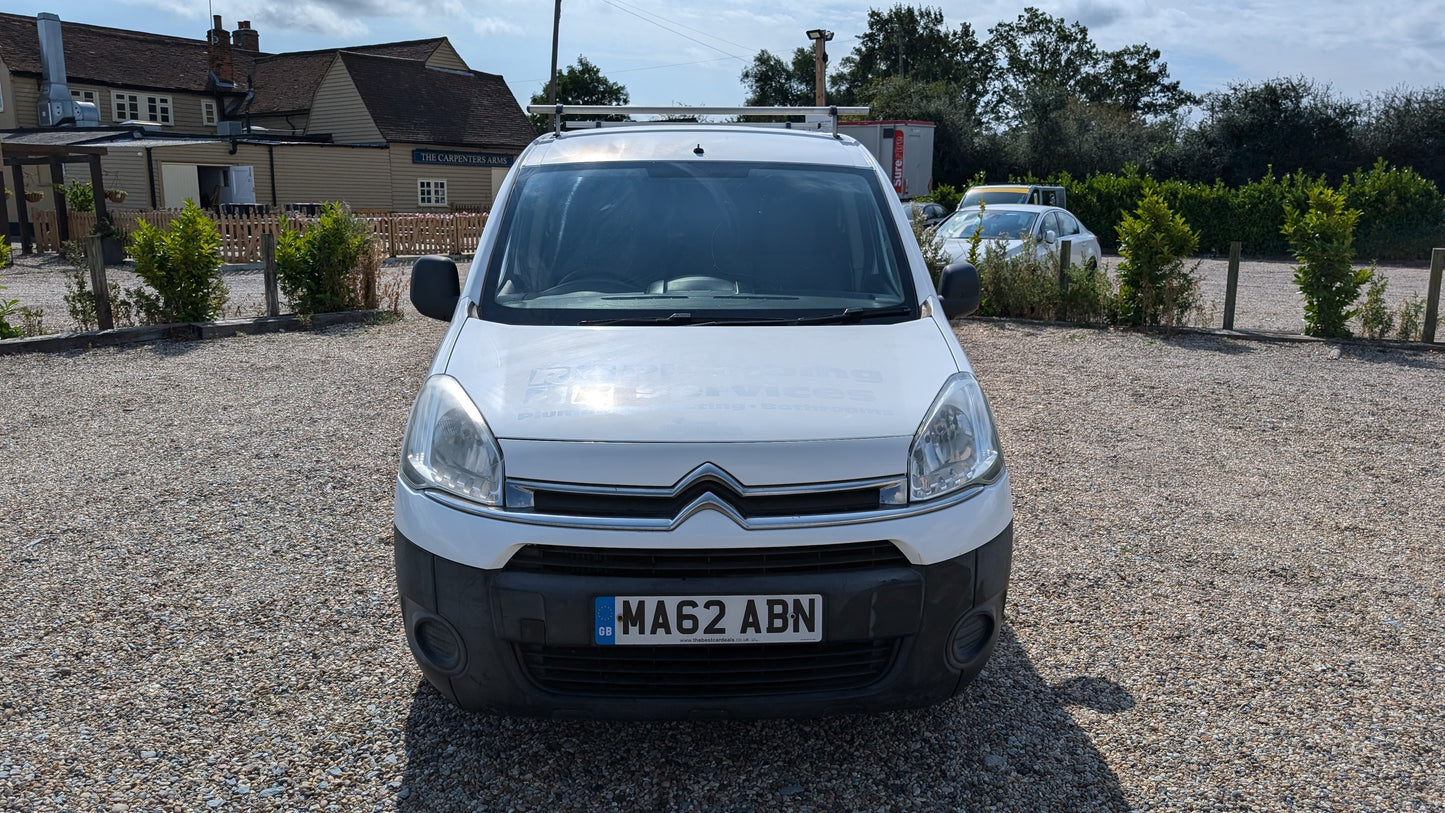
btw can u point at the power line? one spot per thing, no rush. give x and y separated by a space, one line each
673 30
676 23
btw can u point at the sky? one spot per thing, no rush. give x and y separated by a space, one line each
688 52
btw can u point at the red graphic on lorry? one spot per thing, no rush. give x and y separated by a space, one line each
898 160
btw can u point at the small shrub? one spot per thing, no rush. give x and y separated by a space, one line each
1155 287
1091 297
945 194
1024 286
933 254
182 265
80 299
4 250
1322 238
78 196
1411 319
1375 316
9 308
975 239
329 267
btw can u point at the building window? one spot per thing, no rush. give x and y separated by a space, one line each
125 106
158 109
208 113
431 192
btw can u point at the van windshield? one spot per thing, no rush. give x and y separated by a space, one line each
696 242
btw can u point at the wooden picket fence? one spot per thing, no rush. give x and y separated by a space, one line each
401 234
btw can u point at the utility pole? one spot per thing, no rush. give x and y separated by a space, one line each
820 59
556 26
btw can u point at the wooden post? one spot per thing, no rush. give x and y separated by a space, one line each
1432 299
391 235
5 210
1231 285
268 273
22 210
96 255
97 187
62 210
1066 250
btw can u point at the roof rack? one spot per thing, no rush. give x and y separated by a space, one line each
560 110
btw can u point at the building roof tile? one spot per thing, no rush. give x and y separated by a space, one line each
411 102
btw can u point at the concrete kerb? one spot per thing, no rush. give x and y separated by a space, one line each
183 332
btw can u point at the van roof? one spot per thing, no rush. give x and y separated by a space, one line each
718 142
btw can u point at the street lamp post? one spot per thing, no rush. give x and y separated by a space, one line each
820 58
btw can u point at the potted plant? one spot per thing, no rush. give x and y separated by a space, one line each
115 195
113 239
78 196
34 195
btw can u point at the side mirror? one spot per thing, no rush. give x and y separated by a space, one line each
1051 236
435 287
960 290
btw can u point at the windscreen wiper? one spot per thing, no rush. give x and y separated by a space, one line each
679 318
850 315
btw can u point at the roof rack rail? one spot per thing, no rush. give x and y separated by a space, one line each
560 110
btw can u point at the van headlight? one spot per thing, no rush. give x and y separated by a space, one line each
448 445
956 445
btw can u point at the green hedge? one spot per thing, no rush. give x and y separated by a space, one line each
1403 213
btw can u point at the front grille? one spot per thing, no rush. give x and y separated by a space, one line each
705 562
666 506
738 670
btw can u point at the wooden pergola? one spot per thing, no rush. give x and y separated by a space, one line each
19 155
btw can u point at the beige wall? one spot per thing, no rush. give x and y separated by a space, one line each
7 98
466 186
214 155
338 109
307 173
445 56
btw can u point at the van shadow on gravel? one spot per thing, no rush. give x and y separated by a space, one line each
1008 741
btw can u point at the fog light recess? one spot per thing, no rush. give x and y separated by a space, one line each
970 637
437 643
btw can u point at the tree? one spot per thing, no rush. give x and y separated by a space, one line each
1407 128
773 83
1290 124
912 43
582 83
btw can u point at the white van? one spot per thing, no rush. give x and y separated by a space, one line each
699 441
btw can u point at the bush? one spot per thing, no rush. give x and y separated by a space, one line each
1375 316
1024 286
1155 288
1090 298
80 300
1402 215
329 267
933 254
8 308
945 194
1322 238
182 265
1411 317
78 196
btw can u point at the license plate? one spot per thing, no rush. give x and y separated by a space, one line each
707 619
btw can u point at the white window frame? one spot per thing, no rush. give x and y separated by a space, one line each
208 112
162 107
125 106
431 191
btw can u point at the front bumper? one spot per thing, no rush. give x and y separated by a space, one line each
896 636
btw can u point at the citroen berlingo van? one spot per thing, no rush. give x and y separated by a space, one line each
699 441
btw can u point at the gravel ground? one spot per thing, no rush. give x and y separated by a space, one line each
1226 595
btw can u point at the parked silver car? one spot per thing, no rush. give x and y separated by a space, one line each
1010 222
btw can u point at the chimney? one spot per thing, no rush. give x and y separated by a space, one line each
219 40
245 37
55 107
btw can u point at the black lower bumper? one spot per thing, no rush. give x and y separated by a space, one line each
899 636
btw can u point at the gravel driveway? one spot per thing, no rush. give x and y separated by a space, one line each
1226 595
